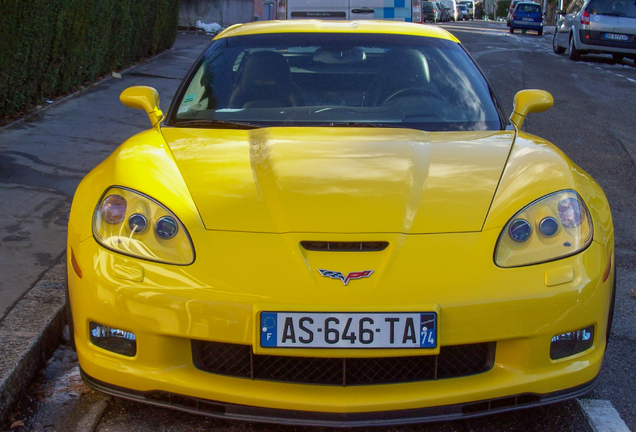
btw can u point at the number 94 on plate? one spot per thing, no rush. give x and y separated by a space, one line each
348 330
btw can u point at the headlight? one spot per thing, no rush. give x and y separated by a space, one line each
553 227
133 224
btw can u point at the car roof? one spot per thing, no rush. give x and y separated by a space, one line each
526 3
317 26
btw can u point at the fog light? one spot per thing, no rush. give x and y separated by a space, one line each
118 341
568 344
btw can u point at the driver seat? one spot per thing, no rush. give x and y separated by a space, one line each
265 82
401 69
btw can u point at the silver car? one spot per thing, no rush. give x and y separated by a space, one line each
597 26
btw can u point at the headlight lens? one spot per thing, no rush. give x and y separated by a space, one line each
121 223
553 227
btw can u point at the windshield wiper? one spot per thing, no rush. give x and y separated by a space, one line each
611 13
214 124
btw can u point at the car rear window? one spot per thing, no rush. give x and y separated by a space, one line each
621 8
327 79
529 8
427 6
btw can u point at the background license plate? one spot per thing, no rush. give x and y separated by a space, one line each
348 330
618 37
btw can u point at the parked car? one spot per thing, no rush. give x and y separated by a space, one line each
511 8
429 12
452 9
470 4
597 26
527 16
337 225
462 12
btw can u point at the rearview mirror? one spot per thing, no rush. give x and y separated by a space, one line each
339 57
529 101
143 98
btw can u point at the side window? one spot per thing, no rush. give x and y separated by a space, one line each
575 6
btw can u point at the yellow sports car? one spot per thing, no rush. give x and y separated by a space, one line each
336 223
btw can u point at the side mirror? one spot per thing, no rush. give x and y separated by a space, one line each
529 101
143 98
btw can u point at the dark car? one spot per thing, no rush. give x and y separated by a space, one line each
430 12
527 16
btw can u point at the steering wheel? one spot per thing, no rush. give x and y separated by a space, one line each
411 91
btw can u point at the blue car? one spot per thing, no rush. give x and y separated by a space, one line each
527 16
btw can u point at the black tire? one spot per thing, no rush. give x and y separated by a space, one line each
69 318
574 53
557 49
512 29
610 317
540 32
618 57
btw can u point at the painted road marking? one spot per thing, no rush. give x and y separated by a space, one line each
602 416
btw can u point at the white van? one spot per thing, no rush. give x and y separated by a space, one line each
394 10
453 8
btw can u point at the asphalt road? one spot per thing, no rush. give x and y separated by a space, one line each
592 121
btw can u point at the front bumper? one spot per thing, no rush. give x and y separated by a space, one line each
529 25
305 418
218 297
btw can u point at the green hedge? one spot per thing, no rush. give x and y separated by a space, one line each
49 47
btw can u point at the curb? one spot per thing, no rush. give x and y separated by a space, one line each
29 334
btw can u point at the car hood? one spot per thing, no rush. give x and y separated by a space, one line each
340 180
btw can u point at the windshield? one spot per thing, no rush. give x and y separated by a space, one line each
330 79
621 8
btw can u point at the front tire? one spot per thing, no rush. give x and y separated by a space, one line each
69 317
574 53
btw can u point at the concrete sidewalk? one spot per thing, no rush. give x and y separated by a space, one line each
42 160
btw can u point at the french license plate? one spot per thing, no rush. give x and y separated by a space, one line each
527 19
614 36
348 330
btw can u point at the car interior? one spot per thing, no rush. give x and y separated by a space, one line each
341 83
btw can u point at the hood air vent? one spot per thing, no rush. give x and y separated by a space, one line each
321 246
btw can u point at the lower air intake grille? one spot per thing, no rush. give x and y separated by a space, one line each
239 361
321 246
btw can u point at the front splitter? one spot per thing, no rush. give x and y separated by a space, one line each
310 418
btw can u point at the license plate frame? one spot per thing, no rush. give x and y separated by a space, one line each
616 37
349 330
